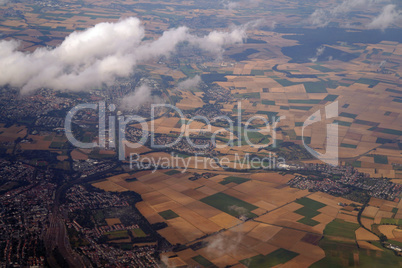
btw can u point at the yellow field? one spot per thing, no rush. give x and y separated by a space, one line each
112 221
12 133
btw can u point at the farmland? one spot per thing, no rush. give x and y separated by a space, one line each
246 88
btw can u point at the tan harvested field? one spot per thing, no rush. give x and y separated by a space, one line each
367 223
301 261
185 228
78 155
387 230
370 211
162 192
264 232
286 238
308 250
38 143
277 225
397 233
224 220
265 190
112 221
382 214
203 209
363 234
367 245
347 217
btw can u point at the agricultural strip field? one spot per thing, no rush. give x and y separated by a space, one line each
341 228
277 257
230 205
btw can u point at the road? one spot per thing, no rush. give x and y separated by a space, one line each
56 236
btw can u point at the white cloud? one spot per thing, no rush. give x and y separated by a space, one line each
215 41
87 59
226 243
241 211
222 244
140 96
230 5
320 50
190 83
321 17
388 16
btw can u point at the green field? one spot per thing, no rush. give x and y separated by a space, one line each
308 221
321 69
357 164
255 137
341 228
268 102
58 145
396 243
204 262
331 97
315 87
172 172
346 145
117 235
257 72
251 95
394 91
383 141
340 254
138 233
285 82
230 205
230 179
343 123
303 108
391 221
269 113
48 138
380 159
367 81
307 212
305 101
348 115
391 131
168 214
310 203
183 155
366 123
277 257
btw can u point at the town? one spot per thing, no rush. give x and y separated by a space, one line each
344 180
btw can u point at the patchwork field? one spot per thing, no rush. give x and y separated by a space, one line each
263 221
249 218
